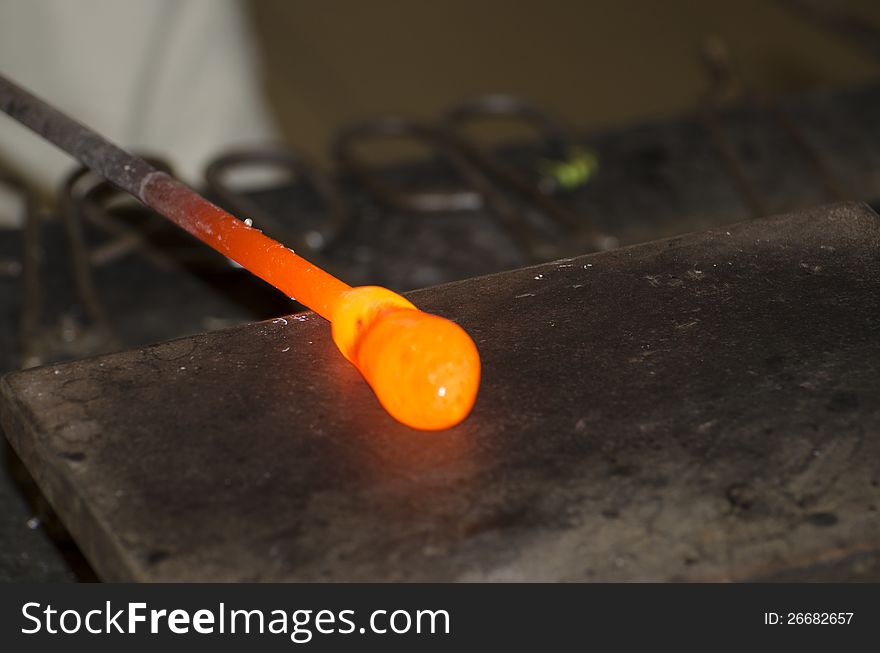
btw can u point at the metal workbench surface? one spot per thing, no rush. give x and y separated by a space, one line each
703 407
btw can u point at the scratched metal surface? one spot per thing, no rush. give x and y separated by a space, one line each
704 407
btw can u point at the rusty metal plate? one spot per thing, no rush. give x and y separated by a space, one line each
704 407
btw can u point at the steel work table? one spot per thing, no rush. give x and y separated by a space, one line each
703 407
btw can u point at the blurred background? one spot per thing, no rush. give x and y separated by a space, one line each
186 79
595 63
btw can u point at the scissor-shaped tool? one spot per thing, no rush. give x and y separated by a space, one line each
52 335
487 181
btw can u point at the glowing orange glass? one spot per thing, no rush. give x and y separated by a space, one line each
424 369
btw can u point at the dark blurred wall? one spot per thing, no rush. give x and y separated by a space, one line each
597 63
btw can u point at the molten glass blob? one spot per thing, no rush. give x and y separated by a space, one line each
424 369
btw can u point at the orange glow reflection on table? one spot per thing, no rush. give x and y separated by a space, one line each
424 369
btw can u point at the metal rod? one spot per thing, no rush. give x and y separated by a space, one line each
86 146
262 256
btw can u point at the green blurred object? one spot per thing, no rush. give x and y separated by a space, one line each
572 172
